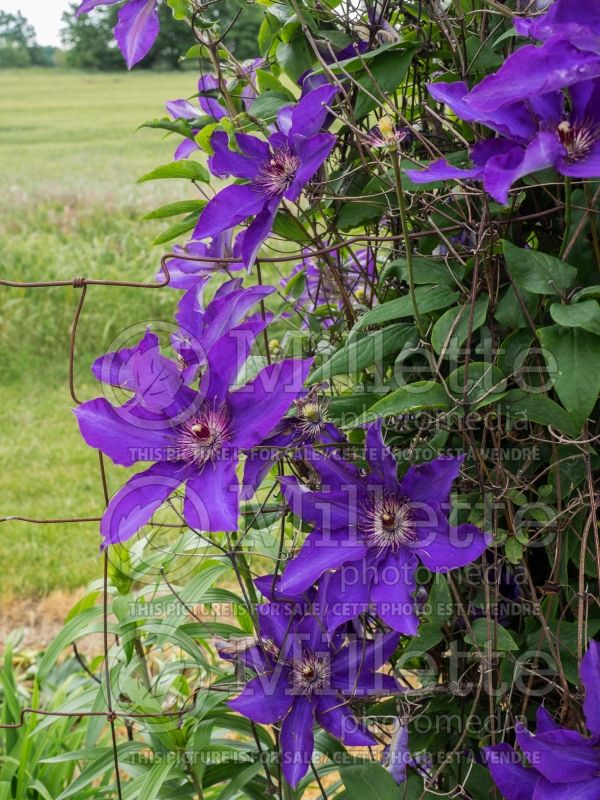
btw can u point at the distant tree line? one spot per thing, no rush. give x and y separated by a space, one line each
88 41
18 45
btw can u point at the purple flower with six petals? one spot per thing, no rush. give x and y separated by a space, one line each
565 764
374 529
275 170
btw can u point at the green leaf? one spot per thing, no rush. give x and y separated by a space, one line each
98 767
361 353
519 404
295 57
452 328
514 550
203 137
188 169
155 778
188 224
538 272
500 637
429 298
585 315
573 360
87 621
386 72
369 782
481 382
426 270
288 227
173 209
267 105
412 397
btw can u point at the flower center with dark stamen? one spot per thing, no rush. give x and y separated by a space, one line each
201 438
278 172
578 138
389 523
312 417
310 674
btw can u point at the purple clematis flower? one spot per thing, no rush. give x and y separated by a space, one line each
201 328
194 437
136 29
308 425
304 674
184 109
373 530
575 20
532 71
185 273
358 273
565 764
274 170
536 135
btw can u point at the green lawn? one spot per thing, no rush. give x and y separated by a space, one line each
69 205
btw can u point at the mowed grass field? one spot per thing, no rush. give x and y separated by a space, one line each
70 155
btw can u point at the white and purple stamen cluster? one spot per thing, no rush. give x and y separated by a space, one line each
278 172
389 523
311 673
201 438
311 417
578 138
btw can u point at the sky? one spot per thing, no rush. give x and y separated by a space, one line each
44 15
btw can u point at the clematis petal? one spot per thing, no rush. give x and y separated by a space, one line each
561 756
257 232
392 592
297 740
531 71
330 510
544 722
276 624
589 672
441 170
380 458
137 29
501 172
319 553
228 208
335 716
185 149
125 434
432 481
588 167
577 20
312 153
347 595
578 790
333 470
515 120
226 357
225 161
135 502
364 656
510 776
308 115
212 497
182 109
89 5
115 368
442 547
258 406
156 379
264 699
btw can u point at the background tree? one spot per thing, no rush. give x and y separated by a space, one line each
18 46
89 41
